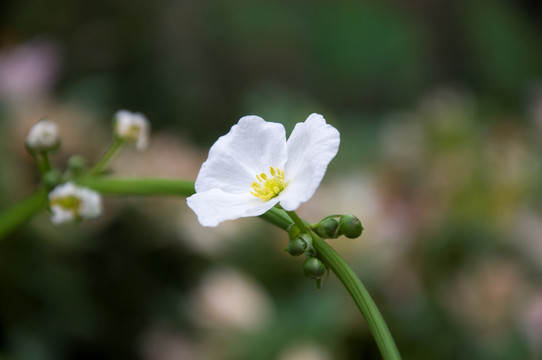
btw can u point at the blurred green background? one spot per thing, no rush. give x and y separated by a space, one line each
439 105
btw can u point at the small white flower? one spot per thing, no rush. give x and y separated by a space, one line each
252 168
132 127
69 202
43 136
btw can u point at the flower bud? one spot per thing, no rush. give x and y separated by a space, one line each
133 127
296 247
327 228
293 231
43 137
313 268
76 164
350 226
52 178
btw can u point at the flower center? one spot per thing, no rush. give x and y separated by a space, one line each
70 203
133 132
268 187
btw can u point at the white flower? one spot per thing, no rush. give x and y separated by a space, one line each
252 168
43 136
69 202
132 127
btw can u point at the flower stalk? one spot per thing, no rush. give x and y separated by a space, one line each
107 157
21 212
355 288
18 214
137 186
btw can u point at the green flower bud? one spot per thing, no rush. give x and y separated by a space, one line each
76 164
296 247
52 178
327 228
293 231
313 268
299 245
350 226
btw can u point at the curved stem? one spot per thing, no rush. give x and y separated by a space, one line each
361 297
359 293
21 212
18 214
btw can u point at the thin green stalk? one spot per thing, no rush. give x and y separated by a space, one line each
144 186
107 157
359 293
277 217
42 167
21 212
46 161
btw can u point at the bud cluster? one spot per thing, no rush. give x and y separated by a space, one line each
68 201
301 243
331 228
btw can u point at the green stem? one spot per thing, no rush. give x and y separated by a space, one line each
40 163
359 293
277 217
21 212
46 161
361 297
18 214
107 157
144 186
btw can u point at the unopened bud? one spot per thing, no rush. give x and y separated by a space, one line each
293 231
297 246
350 226
52 178
327 228
76 164
43 137
313 268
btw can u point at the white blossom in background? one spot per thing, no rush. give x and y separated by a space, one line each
69 202
43 136
227 298
133 127
253 167
305 351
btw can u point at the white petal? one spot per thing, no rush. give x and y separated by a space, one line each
64 190
214 206
91 203
249 148
125 121
312 145
61 215
43 135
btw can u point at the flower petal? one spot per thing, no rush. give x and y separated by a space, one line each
214 206
311 146
91 203
60 215
249 148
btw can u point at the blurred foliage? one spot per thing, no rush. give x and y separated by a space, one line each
451 250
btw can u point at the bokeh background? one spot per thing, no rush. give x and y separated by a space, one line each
439 105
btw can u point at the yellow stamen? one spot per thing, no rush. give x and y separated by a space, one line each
268 187
70 203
